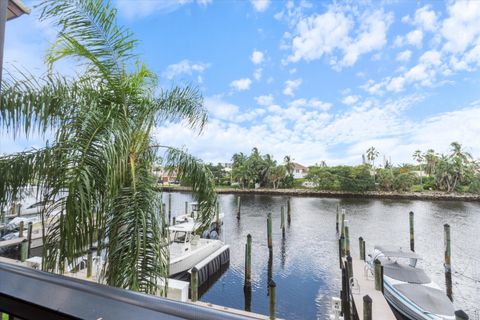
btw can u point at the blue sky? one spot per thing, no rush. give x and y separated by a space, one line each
316 80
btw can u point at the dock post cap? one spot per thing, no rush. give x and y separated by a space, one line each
272 284
366 298
461 315
194 269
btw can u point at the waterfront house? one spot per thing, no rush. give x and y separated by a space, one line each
299 171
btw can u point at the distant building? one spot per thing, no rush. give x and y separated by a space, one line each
165 177
299 171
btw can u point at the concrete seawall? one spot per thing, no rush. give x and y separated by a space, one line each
433 195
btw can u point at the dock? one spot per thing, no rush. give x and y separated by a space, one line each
366 286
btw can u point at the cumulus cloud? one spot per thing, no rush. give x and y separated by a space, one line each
260 5
404 56
265 100
257 74
337 32
291 86
350 100
241 84
257 57
184 67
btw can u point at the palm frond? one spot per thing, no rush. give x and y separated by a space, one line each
194 172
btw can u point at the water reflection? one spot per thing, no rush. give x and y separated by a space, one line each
304 264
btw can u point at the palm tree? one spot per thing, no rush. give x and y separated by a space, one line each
97 169
417 156
431 158
372 154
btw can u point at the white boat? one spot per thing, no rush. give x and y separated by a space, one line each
193 218
187 249
408 288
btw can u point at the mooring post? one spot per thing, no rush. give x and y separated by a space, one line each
238 207
20 229
194 284
282 218
186 207
448 261
349 267
336 220
412 235
89 263
174 221
272 295
363 250
342 246
360 246
289 218
367 307
347 241
217 216
461 315
342 231
340 253
24 250
269 231
378 275
169 206
29 238
248 263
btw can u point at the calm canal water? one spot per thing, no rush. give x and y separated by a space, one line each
305 264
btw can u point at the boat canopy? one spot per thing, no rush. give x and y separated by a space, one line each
396 252
405 273
183 227
429 299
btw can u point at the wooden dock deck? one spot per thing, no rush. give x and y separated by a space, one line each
366 286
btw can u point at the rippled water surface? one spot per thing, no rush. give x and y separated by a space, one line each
305 263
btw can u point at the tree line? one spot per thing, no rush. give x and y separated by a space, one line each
455 171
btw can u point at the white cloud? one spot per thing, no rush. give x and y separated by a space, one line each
257 74
337 31
265 100
291 86
241 84
260 5
350 100
142 8
257 57
415 38
462 28
184 67
404 56
431 57
426 18
226 111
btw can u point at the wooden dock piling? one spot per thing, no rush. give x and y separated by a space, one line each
282 220
347 242
20 229
29 238
248 263
169 207
361 245
378 275
412 235
448 261
272 294
238 207
269 231
367 307
174 221
194 284
342 231
340 253
89 263
289 210
24 250
186 207
337 218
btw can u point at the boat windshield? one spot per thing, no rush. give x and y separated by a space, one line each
179 236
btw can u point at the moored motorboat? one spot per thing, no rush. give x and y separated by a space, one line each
187 249
408 288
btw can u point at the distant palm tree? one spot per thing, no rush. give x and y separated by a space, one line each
372 154
417 156
97 169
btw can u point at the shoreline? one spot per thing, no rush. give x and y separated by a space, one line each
433 195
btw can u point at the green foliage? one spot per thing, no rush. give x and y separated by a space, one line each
356 179
385 179
98 169
262 170
297 183
404 181
474 186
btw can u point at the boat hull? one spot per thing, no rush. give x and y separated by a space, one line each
196 254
